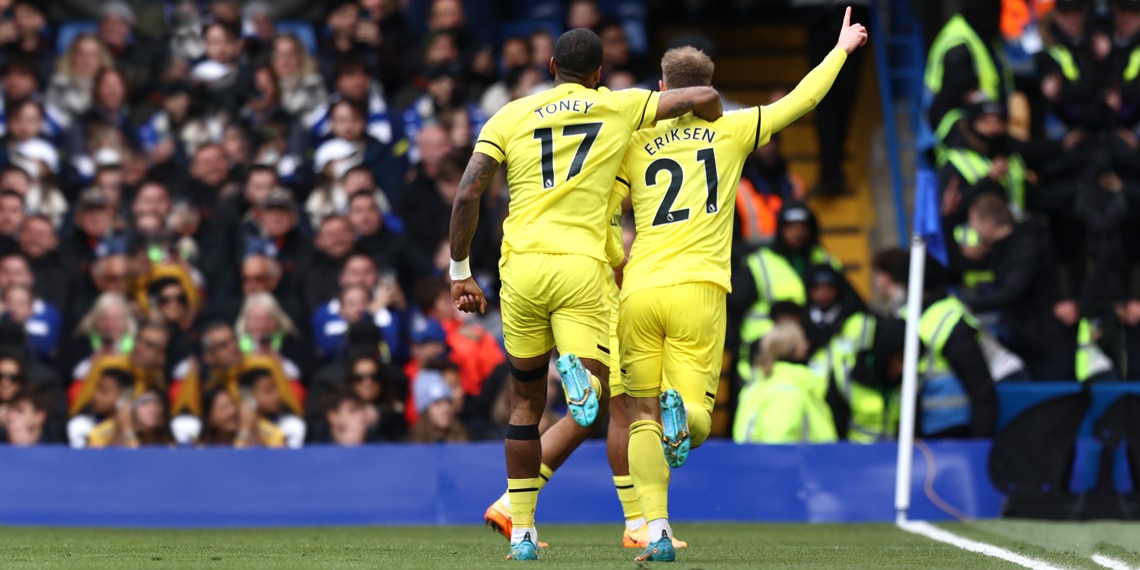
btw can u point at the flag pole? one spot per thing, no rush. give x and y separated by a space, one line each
905 463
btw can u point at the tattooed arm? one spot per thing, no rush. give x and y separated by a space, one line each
704 102
465 293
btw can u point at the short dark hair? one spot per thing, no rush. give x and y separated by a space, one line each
250 377
428 290
359 108
40 399
349 66
259 169
337 396
122 377
992 207
893 262
578 52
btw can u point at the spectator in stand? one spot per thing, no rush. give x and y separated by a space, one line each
350 37
264 329
381 300
24 423
438 421
94 221
542 51
617 56
583 14
19 81
302 90
351 81
175 302
70 89
108 328
11 218
229 422
376 238
262 387
161 136
472 348
1044 327
347 417
140 421
221 73
112 389
352 146
786 403
263 111
427 212
826 314
40 320
12 378
275 232
372 382
23 146
954 69
333 246
117 32
108 109
34 40
40 247
445 92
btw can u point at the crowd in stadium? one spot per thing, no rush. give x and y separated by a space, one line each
226 223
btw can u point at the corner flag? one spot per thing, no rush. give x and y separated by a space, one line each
928 214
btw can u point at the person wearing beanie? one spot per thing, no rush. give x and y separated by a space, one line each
438 421
966 57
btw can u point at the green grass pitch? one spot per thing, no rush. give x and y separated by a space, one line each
713 546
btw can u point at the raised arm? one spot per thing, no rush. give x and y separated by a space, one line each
465 292
704 102
815 85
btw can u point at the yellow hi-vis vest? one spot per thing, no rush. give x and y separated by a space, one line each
973 166
776 280
874 413
957 32
787 407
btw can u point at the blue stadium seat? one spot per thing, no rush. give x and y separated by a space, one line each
68 31
303 31
1017 397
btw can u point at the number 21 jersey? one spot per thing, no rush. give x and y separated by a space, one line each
562 149
682 175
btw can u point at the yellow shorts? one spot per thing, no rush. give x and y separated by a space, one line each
674 336
553 300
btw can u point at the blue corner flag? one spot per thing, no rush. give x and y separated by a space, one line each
928 214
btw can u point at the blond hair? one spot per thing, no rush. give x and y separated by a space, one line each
66 63
784 340
686 66
105 301
284 323
305 64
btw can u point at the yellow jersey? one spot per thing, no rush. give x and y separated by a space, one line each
682 176
562 149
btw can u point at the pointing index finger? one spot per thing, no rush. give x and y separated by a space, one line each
847 17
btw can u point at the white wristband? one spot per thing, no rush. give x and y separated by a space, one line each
460 270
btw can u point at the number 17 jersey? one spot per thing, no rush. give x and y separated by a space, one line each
562 149
682 176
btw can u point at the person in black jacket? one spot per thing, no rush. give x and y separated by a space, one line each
1042 322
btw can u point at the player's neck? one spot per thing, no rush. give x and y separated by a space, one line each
560 80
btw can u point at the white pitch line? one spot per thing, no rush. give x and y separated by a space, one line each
1111 563
932 532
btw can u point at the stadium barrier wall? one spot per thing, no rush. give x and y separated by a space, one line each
428 485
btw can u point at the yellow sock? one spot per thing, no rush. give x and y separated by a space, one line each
627 494
524 498
648 469
544 475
